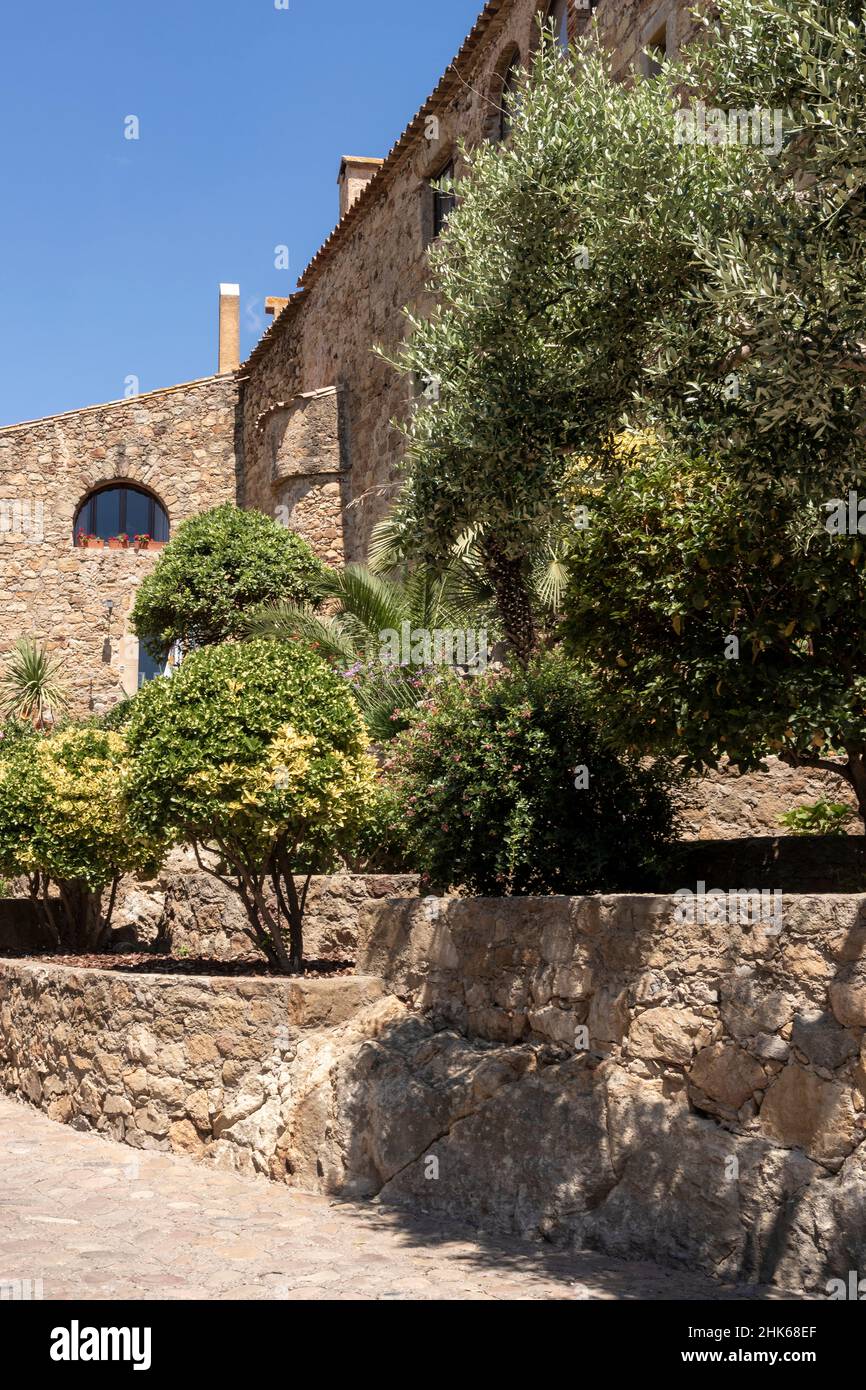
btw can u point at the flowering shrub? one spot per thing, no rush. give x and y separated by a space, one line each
507 789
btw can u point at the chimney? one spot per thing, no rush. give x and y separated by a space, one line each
355 174
230 328
274 306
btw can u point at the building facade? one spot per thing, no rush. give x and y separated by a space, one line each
303 429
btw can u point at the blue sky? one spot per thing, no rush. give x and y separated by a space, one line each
111 250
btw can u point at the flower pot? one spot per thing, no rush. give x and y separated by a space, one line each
91 543
116 543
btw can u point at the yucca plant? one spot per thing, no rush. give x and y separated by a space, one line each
32 687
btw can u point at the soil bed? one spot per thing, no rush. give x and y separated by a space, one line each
146 963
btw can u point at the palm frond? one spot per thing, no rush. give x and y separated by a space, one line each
375 604
289 622
550 577
390 546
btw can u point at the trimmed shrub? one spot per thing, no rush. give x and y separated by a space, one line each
220 566
488 776
63 823
254 753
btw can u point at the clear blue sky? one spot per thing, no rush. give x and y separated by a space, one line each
113 249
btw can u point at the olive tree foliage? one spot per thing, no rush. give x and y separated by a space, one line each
64 827
217 568
564 264
782 299
720 590
254 753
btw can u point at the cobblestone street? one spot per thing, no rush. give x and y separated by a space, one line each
98 1220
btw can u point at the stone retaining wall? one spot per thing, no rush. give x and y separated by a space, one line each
683 1093
590 1071
204 918
198 1066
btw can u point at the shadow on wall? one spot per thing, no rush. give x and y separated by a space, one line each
714 1120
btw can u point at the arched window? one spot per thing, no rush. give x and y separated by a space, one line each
121 509
557 15
508 97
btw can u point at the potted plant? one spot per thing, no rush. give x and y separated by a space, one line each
142 542
90 542
119 542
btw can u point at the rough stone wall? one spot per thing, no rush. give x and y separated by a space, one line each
589 1071
354 297
724 804
180 444
712 1113
163 1064
197 916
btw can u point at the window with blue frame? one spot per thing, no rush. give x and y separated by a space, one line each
121 509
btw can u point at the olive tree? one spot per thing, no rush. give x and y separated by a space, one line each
558 275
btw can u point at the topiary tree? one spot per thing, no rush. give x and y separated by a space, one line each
63 825
255 751
508 789
216 568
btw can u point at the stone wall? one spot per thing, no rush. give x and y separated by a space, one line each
725 804
179 444
375 264
587 1071
161 1063
712 1112
197 916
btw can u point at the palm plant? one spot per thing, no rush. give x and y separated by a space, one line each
391 545
32 688
364 606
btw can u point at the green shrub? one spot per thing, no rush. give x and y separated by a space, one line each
254 752
487 778
821 818
63 823
218 567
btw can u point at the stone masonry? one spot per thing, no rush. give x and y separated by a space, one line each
178 444
374 264
590 1071
303 430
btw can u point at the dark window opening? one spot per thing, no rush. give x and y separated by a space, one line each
444 200
122 510
656 52
557 15
148 666
508 99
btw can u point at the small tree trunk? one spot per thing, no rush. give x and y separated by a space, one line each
82 909
296 922
511 586
856 775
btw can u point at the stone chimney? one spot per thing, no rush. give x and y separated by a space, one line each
230 328
355 174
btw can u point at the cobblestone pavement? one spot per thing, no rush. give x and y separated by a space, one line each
98 1220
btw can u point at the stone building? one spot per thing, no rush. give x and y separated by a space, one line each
302 430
